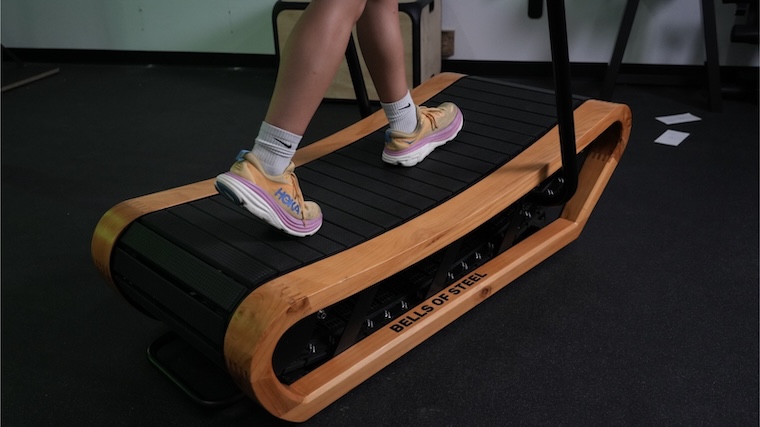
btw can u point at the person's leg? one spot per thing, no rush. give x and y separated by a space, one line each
310 60
308 64
382 46
414 132
263 180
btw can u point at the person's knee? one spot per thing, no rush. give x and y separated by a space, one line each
351 9
391 4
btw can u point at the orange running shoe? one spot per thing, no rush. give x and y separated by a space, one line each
275 199
435 127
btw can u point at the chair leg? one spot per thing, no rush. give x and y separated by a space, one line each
617 55
357 78
711 50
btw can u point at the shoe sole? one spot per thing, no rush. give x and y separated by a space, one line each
416 154
256 201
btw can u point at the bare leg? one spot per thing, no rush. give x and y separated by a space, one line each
310 60
383 49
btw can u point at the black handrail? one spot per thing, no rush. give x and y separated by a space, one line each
555 12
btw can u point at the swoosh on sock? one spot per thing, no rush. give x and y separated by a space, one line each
283 143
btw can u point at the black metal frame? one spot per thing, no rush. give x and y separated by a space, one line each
711 52
200 390
555 11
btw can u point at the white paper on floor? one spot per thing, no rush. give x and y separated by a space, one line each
678 118
671 137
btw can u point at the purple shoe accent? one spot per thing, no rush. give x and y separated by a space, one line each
290 222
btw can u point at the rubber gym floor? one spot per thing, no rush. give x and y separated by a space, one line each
649 318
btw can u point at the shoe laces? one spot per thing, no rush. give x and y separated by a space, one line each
291 176
431 114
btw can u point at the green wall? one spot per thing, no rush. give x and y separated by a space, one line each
665 31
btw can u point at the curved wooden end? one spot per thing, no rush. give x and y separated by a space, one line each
603 156
258 324
265 315
117 219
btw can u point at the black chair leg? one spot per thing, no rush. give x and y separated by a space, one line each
711 50
617 55
357 78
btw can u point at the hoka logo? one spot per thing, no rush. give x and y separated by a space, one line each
288 201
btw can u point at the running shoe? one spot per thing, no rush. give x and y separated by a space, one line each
276 199
435 127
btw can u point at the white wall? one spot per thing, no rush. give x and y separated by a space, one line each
665 31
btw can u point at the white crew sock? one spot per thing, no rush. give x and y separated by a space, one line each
402 114
274 148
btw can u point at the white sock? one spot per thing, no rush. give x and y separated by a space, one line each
402 114
274 148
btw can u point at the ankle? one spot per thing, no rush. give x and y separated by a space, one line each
274 148
402 114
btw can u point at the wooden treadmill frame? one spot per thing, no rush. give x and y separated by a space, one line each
601 129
